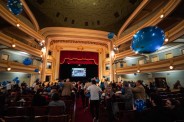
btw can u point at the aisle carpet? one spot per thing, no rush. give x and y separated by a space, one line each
80 115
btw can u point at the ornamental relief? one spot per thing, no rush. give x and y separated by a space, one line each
78 42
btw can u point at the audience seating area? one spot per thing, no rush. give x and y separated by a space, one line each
23 111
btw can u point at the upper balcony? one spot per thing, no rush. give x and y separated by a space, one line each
164 65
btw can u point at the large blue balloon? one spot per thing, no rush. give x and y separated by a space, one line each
27 61
110 35
15 6
139 105
148 40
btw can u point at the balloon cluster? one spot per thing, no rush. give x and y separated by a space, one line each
110 35
4 83
15 6
16 80
148 40
139 105
27 61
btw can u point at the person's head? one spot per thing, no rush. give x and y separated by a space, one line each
67 80
170 103
93 82
125 84
139 82
55 97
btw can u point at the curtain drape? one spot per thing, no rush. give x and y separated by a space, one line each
78 57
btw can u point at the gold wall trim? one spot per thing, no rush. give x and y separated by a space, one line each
133 15
9 17
17 67
30 14
176 62
8 41
153 21
174 33
77 42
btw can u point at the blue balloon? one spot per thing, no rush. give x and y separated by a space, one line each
36 70
148 40
110 35
15 6
17 81
4 83
27 61
140 105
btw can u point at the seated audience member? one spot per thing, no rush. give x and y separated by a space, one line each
173 108
127 96
177 85
38 99
56 101
156 113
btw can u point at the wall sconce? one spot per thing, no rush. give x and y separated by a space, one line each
166 40
43 41
8 69
44 49
112 53
171 67
18 25
13 45
162 16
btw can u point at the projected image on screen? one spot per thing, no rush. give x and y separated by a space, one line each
78 72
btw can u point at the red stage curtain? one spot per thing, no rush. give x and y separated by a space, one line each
78 57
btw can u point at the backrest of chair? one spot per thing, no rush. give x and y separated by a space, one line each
40 119
56 110
15 119
59 118
40 110
16 111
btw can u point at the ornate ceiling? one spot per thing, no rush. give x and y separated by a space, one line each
88 14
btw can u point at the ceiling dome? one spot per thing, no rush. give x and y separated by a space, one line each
91 14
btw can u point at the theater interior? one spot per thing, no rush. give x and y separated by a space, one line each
114 41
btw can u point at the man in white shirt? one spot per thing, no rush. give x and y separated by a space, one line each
94 99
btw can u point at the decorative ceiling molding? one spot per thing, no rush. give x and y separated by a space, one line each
75 32
12 19
172 4
133 15
77 42
174 33
30 14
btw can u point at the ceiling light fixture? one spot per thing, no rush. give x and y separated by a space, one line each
138 71
171 67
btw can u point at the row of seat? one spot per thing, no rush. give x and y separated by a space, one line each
46 118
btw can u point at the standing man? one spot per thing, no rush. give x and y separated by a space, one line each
94 99
139 91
